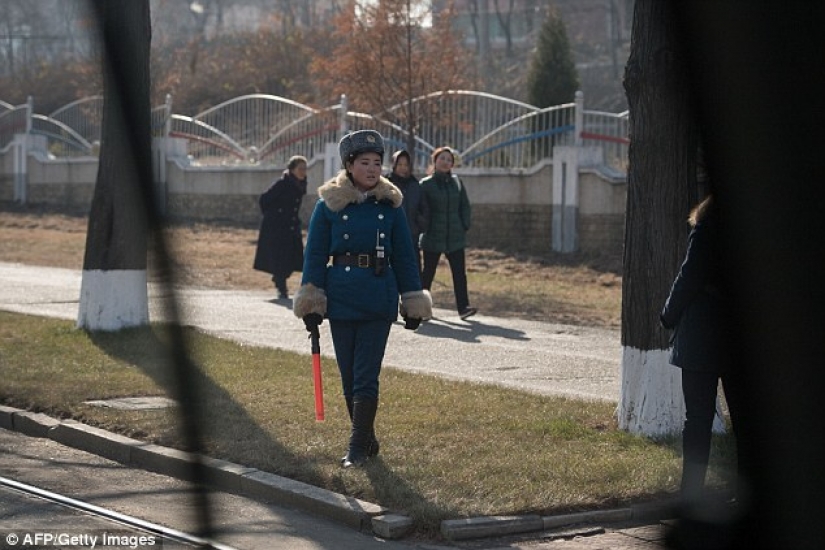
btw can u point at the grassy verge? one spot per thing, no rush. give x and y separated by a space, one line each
448 449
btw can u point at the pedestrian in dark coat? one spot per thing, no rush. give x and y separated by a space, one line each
414 208
697 309
280 249
447 222
359 225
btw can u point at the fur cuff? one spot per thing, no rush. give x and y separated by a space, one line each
309 299
417 304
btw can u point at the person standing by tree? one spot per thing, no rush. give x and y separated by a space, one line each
448 220
280 249
360 224
415 210
698 309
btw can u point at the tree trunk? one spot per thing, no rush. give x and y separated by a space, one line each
113 291
661 191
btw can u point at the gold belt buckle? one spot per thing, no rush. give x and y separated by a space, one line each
363 260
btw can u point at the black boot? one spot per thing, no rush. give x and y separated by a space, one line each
374 446
695 456
693 482
363 420
280 285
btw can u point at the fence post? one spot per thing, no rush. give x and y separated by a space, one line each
579 118
20 152
342 121
29 111
167 126
564 227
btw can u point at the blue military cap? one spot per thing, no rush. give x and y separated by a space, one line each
362 141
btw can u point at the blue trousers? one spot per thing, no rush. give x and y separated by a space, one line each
359 349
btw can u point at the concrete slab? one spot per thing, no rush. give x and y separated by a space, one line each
135 403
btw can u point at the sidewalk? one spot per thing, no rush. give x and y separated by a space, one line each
545 358
539 357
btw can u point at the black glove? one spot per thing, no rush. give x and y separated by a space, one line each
411 323
312 321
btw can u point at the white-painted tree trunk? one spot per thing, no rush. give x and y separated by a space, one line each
650 399
113 299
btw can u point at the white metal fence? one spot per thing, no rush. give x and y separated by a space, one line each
486 131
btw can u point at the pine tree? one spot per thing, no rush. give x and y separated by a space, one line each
552 79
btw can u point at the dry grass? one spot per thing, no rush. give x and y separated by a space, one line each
448 449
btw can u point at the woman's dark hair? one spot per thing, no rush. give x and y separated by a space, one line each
434 155
295 161
439 150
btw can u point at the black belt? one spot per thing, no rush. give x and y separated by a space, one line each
354 260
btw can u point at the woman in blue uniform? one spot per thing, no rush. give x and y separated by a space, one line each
359 258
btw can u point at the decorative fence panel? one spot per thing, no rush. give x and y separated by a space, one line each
486 131
609 131
13 120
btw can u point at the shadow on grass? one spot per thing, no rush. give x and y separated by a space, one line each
468 331
225 424
396 493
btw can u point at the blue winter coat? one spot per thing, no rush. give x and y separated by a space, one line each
344 220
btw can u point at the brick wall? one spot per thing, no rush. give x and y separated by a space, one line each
602 233
512 211
516 228
241 210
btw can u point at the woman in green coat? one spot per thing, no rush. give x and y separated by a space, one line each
446 225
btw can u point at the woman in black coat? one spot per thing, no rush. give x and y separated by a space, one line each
415 209
280 248
698 308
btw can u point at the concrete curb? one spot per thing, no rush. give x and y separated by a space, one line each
220 474
359 514
486 526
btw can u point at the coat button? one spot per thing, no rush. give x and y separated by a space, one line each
347 268
382 235
346 235
380 216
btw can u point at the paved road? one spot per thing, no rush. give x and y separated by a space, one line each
546 358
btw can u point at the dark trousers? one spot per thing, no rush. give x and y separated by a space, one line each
359 349
699 390
458 270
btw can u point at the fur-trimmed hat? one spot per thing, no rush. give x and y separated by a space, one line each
362 141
